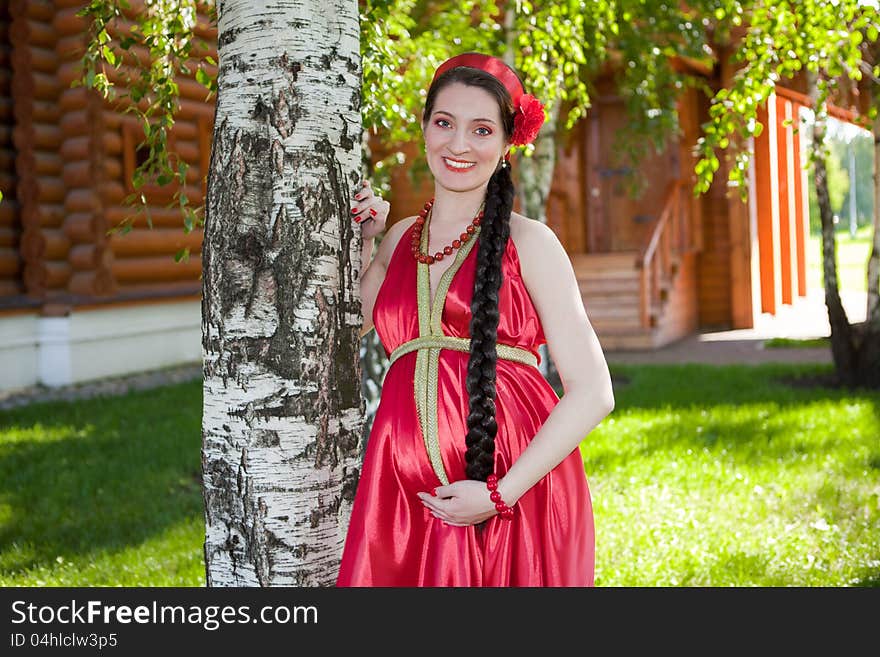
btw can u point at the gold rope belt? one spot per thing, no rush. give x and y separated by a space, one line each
426 374
505 351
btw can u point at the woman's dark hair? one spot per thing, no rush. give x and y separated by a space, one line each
494 233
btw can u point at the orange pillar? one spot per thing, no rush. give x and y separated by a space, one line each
787 237
801 202
767 206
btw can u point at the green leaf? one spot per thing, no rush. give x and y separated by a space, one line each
203 78
109 55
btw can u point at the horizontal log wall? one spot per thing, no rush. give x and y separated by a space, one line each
143 258
90 260
67 156
11 265
36 139
713 264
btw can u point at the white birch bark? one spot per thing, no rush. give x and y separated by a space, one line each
281 312
536 180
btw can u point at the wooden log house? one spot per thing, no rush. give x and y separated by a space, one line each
77 304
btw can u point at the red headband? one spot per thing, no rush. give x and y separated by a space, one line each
529 111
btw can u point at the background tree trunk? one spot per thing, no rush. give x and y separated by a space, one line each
873 311
535 175
535 181
869 332
283 412
841 334
374 362
842 348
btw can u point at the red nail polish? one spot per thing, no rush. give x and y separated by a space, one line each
357 220
373 212
354 210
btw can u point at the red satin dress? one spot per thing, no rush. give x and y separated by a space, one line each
418 439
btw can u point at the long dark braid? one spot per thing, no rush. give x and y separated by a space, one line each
494 233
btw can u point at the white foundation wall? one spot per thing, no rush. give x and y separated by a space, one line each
97 343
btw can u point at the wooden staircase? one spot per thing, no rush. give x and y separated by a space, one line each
643 299
610 286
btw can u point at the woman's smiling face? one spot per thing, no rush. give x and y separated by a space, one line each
464 137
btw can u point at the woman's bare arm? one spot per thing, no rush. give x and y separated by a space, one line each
372 275
370 211
373 272
588 396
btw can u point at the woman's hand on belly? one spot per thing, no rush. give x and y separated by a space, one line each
462 503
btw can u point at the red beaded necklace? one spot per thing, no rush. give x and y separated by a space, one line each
437 257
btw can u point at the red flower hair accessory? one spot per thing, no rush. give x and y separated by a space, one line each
529 115
528 120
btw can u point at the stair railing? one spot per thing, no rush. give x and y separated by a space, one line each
668 238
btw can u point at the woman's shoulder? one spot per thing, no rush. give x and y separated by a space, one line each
530 236
536 246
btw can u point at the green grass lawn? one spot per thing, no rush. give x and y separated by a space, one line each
701 476
798 343
852 260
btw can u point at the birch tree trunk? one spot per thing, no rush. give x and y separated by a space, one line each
842 348
536 172
282 412
535 181
873 310
869 356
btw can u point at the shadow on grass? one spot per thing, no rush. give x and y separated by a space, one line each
98 474
677 386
